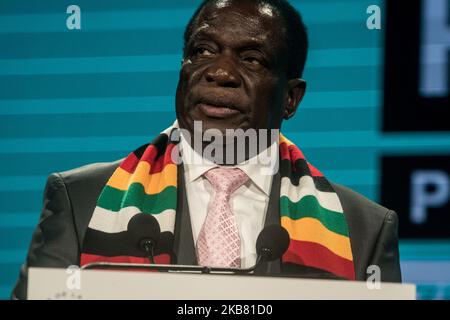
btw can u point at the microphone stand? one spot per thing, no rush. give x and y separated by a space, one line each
262 257
149 245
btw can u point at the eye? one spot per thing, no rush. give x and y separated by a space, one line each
203 52
252 60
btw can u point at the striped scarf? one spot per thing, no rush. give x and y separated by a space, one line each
146 181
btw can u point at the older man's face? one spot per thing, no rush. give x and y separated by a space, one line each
234 73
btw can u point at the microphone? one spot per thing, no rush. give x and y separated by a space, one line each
271 244
144 232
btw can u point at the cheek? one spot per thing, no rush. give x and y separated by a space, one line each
268 102
264 86
190 76
183 92
186 77
184 87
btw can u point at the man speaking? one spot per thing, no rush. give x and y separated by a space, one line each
210 189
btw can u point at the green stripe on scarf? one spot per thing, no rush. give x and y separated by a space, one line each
308 206
114 200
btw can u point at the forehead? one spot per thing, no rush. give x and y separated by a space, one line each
243 20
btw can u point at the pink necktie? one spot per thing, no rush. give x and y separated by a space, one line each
219 244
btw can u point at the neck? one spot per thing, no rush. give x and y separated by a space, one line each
235 149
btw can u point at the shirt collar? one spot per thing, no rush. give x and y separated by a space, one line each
195 165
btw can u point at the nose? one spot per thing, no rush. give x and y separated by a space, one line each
223 72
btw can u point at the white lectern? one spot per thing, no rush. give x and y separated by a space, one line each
47 283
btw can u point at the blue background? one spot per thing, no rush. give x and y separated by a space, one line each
72 97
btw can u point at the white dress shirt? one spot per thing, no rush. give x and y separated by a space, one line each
248 203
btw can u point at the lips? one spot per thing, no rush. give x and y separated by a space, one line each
218 108
216 111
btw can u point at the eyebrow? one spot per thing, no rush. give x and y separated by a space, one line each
249 43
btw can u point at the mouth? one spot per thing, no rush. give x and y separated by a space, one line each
218 109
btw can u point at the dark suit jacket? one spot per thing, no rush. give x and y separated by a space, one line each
70 198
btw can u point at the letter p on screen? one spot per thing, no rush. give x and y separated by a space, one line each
429 189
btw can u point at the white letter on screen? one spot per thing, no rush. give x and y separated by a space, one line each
422 199
435 47
374 20
74 20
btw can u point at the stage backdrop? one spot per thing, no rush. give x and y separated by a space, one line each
70 97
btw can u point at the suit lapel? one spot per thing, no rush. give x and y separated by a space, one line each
272 218
184 247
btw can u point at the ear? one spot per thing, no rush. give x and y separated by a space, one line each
296 91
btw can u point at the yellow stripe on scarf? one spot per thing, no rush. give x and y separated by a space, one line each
153 183
285 140
312 230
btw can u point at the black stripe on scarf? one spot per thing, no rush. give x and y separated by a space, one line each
302 169
110 244
113 244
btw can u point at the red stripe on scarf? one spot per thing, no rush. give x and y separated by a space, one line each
166 159
131 162
91 258
292 153
314 171
315 255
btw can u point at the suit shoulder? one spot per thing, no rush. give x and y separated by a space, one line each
95 172
355 203
371 226
83 186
